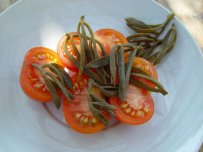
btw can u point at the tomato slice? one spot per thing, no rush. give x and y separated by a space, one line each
62 55
31 80
77 113
138 107
148 68
110 37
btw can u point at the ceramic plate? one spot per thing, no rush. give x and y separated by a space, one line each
25 125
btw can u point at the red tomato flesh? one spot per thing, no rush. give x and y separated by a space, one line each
77 113
137 109
110 37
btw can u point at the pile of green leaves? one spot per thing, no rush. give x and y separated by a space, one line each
155 46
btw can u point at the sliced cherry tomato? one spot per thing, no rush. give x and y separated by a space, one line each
77 113
138 107
31 80
146 66
62 55
109 38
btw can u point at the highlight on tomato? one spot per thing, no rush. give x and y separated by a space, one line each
138 107
77 113
109 38
31 80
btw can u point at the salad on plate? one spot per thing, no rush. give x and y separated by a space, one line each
113 75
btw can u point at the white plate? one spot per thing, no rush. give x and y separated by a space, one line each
25 125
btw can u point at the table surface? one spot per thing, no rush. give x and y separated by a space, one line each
190 12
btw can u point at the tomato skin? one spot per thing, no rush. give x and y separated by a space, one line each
126 117
79 106
30 79
61 54
110 37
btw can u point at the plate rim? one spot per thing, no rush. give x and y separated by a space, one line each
196 44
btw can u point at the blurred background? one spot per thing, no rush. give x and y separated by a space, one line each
190 12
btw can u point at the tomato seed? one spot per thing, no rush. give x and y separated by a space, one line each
146 109
38 85
47 55
51 57
124 105
128 110
86 120
76 85
140 113
29 75
94 120
77 115
82 118
132 113
34 79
